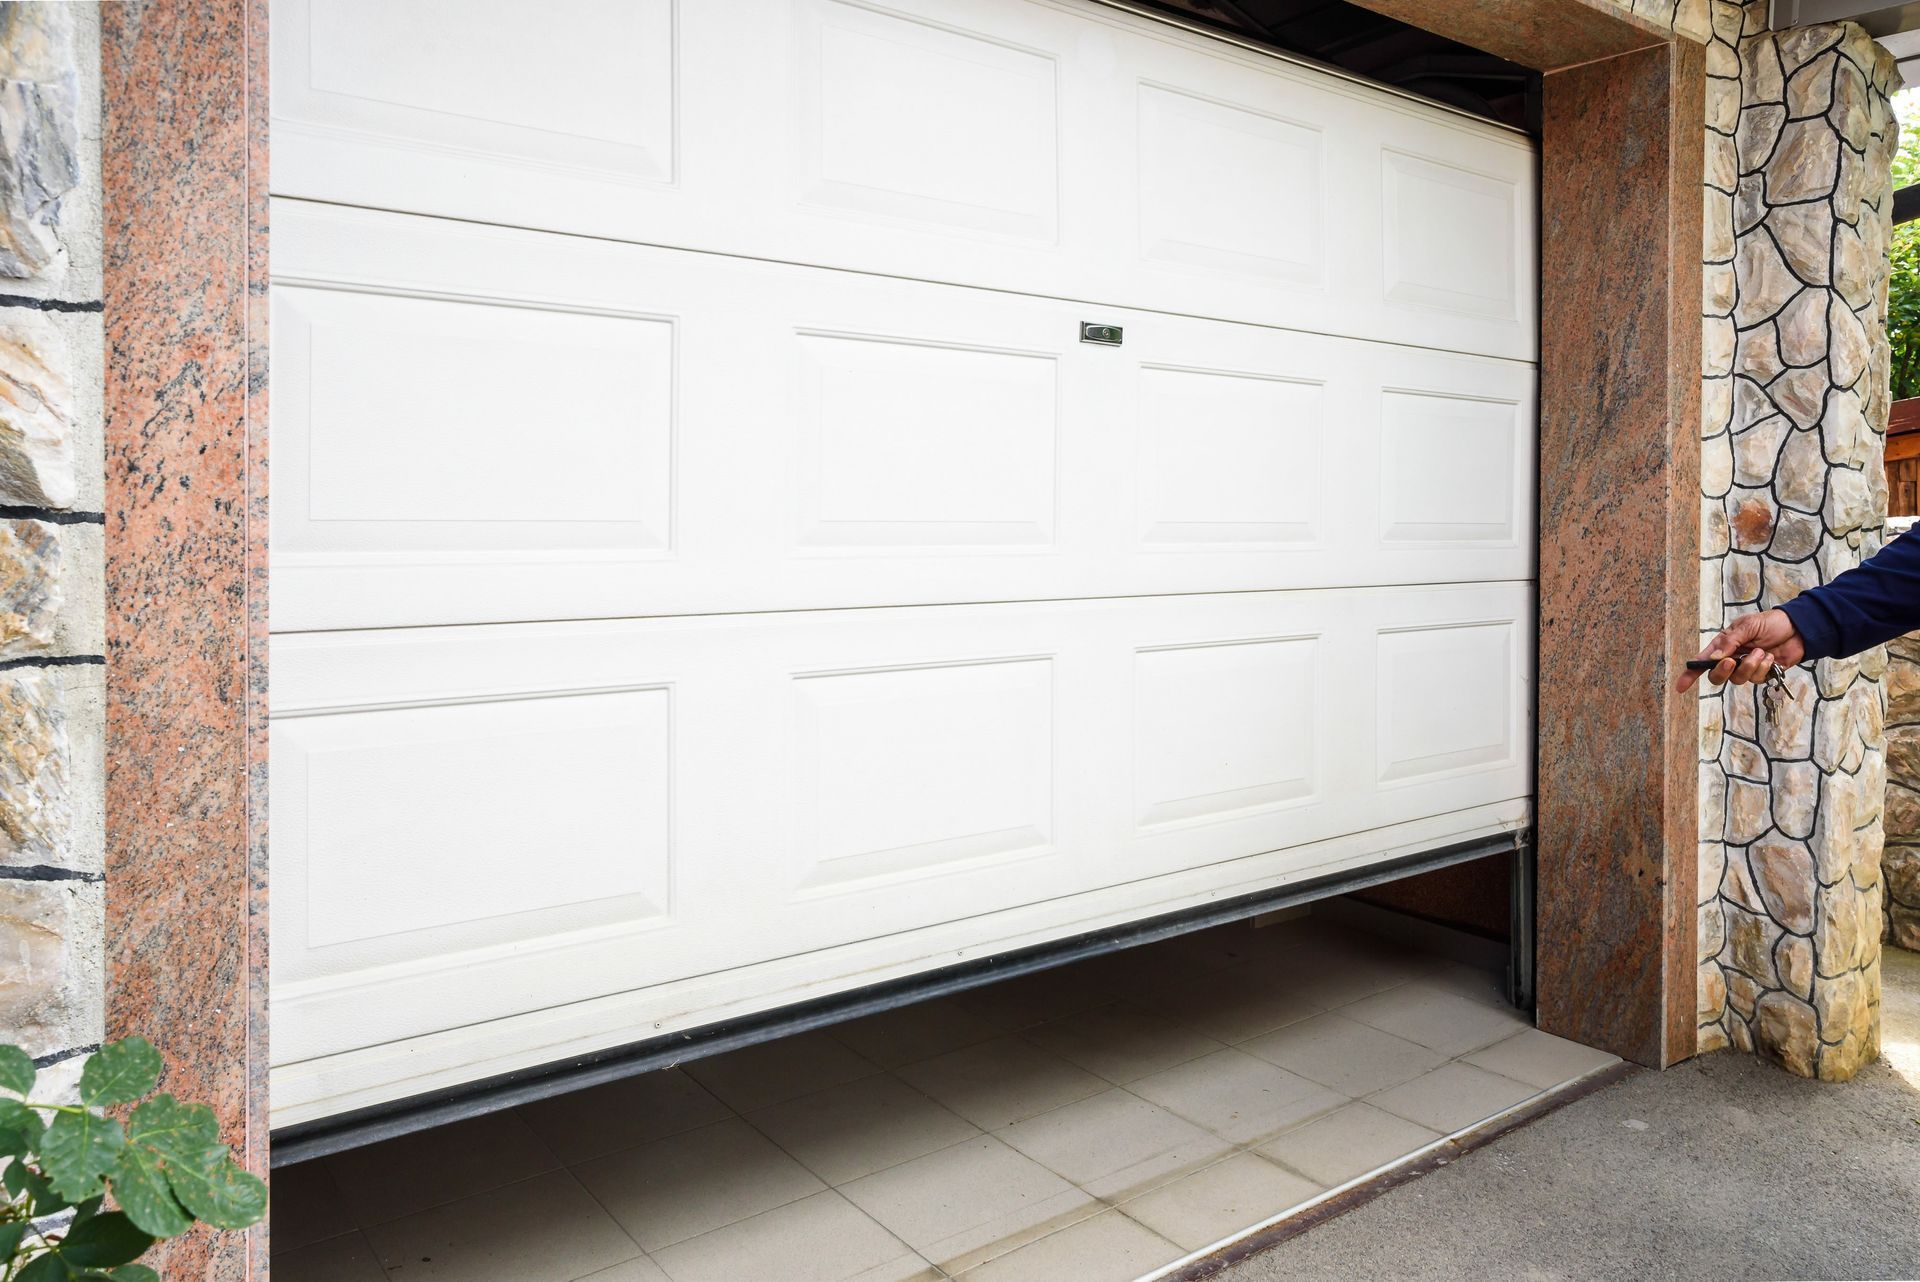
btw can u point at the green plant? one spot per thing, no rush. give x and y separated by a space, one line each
163 1167
1903 279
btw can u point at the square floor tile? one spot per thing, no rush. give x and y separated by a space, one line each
545 1227
1488 987
1121 1042
1107 1248
1453 1097
675 1188
857 1128
1114 1144
638 1270
397 1177
1237 1096
1001 1082
823 1238
1220 1200
1237 1003
1348 1143
1541 1059
340 1259
1343 1054
605 1119
966 1203
783 1069
307 1206
1334 971
915 1032
1436 1017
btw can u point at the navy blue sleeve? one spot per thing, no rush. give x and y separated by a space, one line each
1863 607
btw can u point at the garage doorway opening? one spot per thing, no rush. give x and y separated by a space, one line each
1122 1116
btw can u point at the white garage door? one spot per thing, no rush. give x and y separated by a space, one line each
710 571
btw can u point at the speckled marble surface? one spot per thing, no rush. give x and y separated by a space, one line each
184 275
1619 463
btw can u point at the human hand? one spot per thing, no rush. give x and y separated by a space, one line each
1766 638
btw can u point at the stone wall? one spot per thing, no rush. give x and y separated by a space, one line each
51 485
1900 862
1798 209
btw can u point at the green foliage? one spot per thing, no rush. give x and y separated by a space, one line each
1903 282
163 1168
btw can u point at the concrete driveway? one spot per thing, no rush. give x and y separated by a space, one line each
1722 1168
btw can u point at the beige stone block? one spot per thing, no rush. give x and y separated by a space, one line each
1750 941
1756 451
1793 958
1714 535
36 414
1712 727
1805 236
36 808
1766 285
1757 132
1711 1001
1796 790
1717 288
1801 393
1763 75
1900 871
30 586
1736 882
1842 929
1743 760
39 148
1800 45
1749 810
1849 504
1785 1032
1713 915
1851 354
1796 535
1805 164
1810 87
1785 580
1903 928
1713 799
1743 995
1756 355
1800 480
1856 267
1712 1037
50 956
1716 465
1784 873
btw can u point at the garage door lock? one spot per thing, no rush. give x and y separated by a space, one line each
1108 335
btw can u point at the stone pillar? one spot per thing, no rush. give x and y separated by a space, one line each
51 480
1792 439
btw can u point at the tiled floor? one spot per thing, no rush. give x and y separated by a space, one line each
1095 1122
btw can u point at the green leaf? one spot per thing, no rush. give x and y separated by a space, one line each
134 1273
79 1150
16 1070
120 1072
140 1186
217 1189
176 1131
83 1211
46 1268
104 1241
21 1129
10 1235
23 1181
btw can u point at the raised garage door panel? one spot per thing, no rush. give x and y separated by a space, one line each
709 572
474 823
1053 149
478 424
